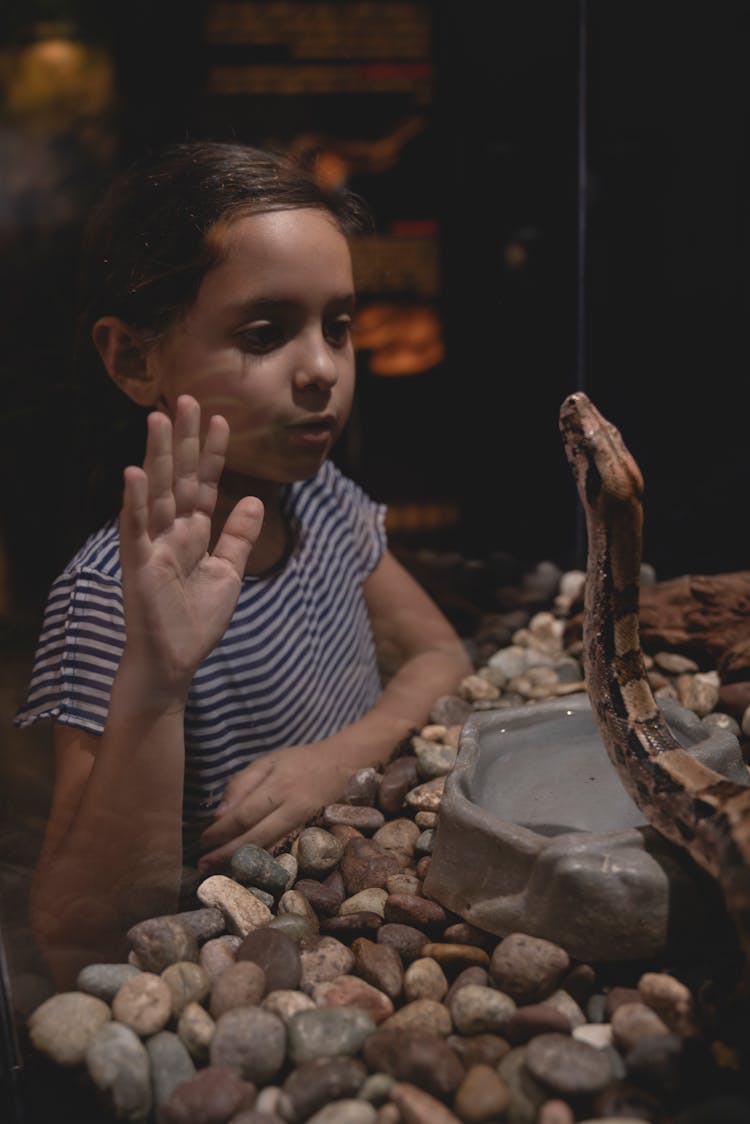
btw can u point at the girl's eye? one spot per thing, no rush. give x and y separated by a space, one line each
262 337
338 331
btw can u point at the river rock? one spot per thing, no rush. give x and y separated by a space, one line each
218 953
318 852
323 958
567 1066
327 1032
421 1014
277 954
251 1041
170 1063
425 979
161 941
420 1057
418 1107
144 1003
481 1010
380 965
213 1096
242 984
195 1028
286 1002
481 1096
527 968
314 1083
241 909
64 1024
104 980
351 991
365 864
118 1065
188 983
254 866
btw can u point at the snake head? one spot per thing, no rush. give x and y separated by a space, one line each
597 453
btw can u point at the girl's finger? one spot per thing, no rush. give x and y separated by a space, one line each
240 533
186 442
158 467
272 828
211 463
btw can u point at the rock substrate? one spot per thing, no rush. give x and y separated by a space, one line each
320 985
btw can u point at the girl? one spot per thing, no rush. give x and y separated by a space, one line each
210 659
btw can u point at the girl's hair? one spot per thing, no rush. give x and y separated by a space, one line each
145 248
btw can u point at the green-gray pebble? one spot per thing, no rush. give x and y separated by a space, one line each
254 866
118 1065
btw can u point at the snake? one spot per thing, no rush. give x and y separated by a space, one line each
695 807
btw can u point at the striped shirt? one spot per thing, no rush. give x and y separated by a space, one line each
296 664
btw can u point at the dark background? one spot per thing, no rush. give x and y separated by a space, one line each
651 320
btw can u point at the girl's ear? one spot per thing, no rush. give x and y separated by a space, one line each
124 355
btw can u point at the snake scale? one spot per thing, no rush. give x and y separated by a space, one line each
689 803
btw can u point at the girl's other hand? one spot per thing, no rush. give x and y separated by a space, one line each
178 598
273 796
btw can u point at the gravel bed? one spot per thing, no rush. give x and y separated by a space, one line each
319 984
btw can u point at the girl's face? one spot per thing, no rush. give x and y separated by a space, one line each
267 343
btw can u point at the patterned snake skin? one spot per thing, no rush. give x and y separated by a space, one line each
690 804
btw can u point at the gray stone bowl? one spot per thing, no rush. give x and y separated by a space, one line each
536 834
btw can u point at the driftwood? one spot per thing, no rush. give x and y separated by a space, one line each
705 617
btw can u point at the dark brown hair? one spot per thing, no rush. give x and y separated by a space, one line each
145 249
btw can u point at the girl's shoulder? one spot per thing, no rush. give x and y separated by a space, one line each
330 489
99 553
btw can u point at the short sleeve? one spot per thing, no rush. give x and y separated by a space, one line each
366 517
79 651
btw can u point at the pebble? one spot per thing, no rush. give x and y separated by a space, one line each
323 958
252 865
527 968
399 836
195 1028
366 819
671 1000
421 1014
161 941
633 1021
481 1010
241 909
362 787
345 1112
566 1065
287 1002
242 984
144 1003
218 953
371 900
326 1032
104 980
380 965
407 940
170 1063
318 852
419 1057
277 954
398 778
425 979
418 1107
426 797
365 865
118 1064
482 1095
213 1096
313 1084
202 923
412 909
188 983
351 991
251 1041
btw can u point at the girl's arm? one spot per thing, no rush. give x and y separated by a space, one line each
112 851
285 788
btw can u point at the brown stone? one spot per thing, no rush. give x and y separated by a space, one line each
398 778
407 940
324 899
535 1018
411 909
479 1049
418 1107
423 1058
365 819
360 923
365 864
351 991
242 984
211 1097
482 1095
277 954
457 955
380 965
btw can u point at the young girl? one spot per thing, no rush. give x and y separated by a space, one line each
210 660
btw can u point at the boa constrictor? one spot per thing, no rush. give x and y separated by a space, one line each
689 803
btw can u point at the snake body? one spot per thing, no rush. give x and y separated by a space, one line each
689 803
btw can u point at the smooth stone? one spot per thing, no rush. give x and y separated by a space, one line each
425 979
327 1032
398 777
318 851
672 1000
412 909
563 1002
365 864
63 1025
481 1096
596 1034
351 991
351 925
218 953
188 983
195 1028
371 900
403 883
532 1019
525 1094
427 797
241 909
292 903
450 953
104 980
324 899
481 1010
213 1096
474 974
418 1107
253 865
350 1111
566 1065
399 836
365 819
118 1064
633 1021
315 1083
323 958
376 1087
289 862
277 954
419 1057
362 787
527 968
170 1063
421 1014
144 1003
251 1041
407 940
204 924
263 896
296 927
286 1002
435 760
242 984
161 941
479 1049
380 965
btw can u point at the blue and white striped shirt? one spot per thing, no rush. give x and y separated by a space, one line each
296 663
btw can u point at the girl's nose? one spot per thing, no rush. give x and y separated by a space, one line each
317 365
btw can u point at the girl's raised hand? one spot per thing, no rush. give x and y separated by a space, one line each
178 598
